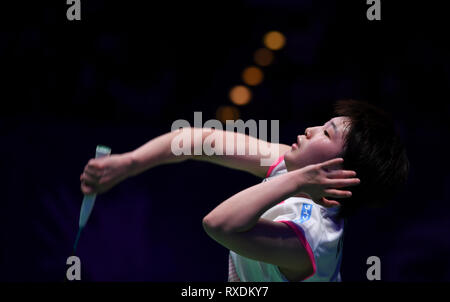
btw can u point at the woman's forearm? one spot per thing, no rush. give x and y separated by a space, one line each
154 153
241 212
159 150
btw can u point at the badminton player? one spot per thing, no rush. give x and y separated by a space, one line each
290 226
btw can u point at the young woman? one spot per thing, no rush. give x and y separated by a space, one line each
290 226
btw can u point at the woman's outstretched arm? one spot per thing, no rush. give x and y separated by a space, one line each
236 154
102 174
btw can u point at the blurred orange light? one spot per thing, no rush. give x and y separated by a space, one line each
263 57
274 40
225 113
252 76
240 95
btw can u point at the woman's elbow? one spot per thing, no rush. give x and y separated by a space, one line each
214 225
219 225
210 223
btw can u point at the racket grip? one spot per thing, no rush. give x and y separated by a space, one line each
89 200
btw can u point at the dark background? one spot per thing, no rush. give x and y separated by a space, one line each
127 70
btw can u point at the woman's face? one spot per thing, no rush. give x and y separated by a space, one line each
318 144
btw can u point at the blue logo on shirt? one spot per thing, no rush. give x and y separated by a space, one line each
306 212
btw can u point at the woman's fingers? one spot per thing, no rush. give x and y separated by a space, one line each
341 174
89 179
343 182
337 193
332 162
86 189
95 164
94 170
329 203
94 176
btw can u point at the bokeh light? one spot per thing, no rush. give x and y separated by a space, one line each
252 75
225 113
274 40
240 95
263 57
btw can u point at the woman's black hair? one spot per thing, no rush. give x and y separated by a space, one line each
375 151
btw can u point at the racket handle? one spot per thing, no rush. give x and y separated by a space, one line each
89 200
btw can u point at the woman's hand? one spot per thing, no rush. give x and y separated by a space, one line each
101 174
322 181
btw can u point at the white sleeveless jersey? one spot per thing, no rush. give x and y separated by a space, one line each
317 228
